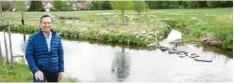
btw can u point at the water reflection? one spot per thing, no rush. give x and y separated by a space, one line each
120 66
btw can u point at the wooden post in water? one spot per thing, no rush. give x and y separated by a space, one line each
6 46
10 42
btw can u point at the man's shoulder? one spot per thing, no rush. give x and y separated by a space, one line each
34 35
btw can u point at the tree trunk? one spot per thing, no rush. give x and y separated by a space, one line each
122 12
10 42
6 46
1 12
138 14
2 25
22 21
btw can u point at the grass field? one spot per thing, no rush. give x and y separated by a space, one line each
216 22
205 22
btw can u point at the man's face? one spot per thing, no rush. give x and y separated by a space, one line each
46 24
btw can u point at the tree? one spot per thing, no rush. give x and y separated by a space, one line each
35 6
212 4
22 7
173 4
139 6
61 6
6 5
154 4
97 5
226 4
122 6
106 5
165 4
193 4
202 4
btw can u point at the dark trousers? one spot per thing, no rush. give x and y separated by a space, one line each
48 76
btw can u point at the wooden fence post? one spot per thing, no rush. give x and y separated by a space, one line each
6 46
10 42
0 50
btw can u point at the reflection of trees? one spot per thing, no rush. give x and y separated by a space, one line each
221 57
216 50
120 66
22 46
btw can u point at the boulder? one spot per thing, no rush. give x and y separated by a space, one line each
177 42
204 59
194 55
210 40
179 53
154 44
172 51
182 56
163 49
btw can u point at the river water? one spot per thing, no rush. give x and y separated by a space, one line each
88 62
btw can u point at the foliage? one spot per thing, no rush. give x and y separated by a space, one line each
202 23
20 5
139 6
6 5
187 4
35 6
122 6
100 5
61 6
135 35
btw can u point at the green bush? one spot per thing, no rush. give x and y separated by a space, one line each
61 6
35 6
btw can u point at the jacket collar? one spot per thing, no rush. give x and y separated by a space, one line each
52 31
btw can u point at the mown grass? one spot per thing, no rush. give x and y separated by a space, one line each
19 72
203 22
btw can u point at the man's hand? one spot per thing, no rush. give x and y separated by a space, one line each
60 75
39 75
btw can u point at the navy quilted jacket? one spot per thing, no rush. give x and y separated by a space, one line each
39 58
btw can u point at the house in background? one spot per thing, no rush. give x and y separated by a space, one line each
7 5
77 5
47 5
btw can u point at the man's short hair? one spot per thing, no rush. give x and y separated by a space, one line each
45 15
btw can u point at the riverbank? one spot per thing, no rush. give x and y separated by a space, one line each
139 34
210 26
19 72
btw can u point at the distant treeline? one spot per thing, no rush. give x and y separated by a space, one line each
105 5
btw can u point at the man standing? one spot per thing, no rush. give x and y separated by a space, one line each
44 53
